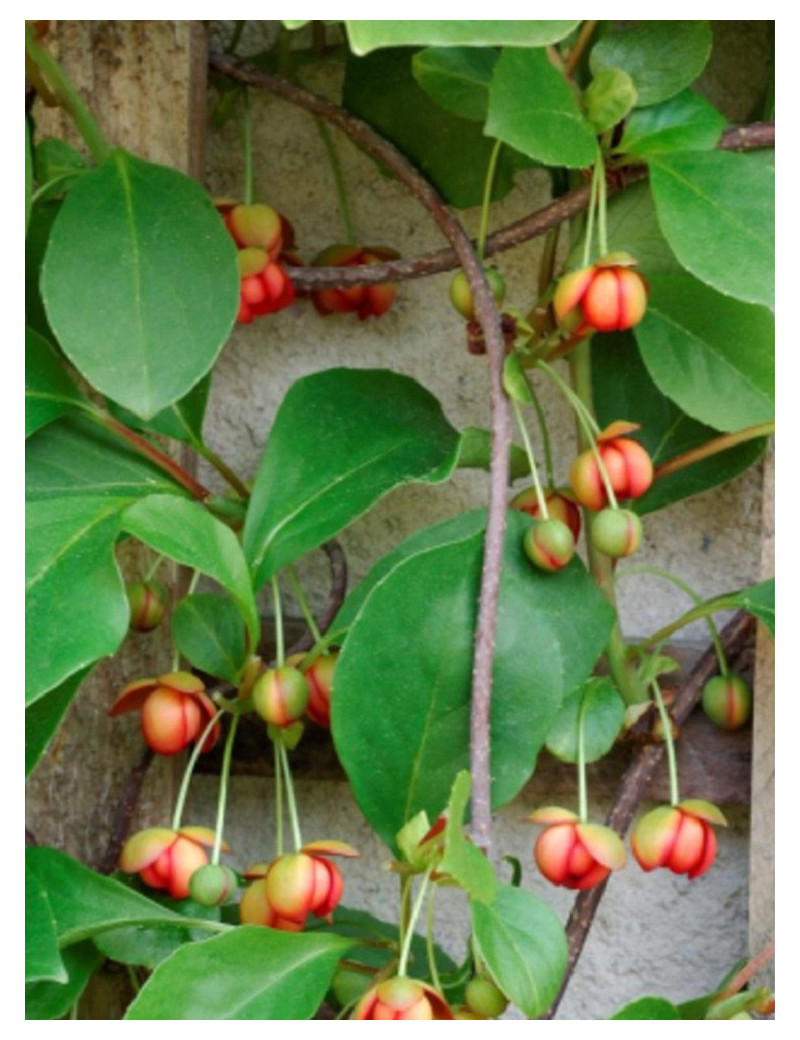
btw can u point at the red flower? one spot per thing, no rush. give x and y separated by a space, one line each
574 854
294 886
679 837
261 234
609 296
402 999
629 468
165 858
175 711
364 300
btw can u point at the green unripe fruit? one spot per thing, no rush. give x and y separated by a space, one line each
485 998
280 695
549 544
146 600
212 884
727 701
461 291
616 532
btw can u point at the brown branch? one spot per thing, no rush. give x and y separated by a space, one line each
124 813
489 319
634 784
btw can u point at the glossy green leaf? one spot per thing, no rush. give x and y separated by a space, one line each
184 531
140 282
257 974
85 903
50 1000
608 98
532 108
73 456
43 717
622 388
647 1008
523 945
457 78
368 36
551 629
717 211
662 57
210 632
49 390
602 711
633 229
684 123
712 355
341 439
182 420
451 151
42 959
43 214
72 586
462 860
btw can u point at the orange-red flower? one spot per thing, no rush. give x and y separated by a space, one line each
174 711
365 300
679 837
295 885
402 999
609 296
261 235
165 858
574 854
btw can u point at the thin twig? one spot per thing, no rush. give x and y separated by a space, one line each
634 784
124 813
338 567
489 319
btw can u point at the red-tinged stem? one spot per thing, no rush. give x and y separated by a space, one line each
144 447
713 447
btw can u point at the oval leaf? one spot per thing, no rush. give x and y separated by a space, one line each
42 959
684 123
253 973
523 945
713 356
532 108
551 629
602 710
647 1008
49 390
341 439
368 36
662 57
457 78
182 420
717 211
140 282
185 532
50 1000
209 631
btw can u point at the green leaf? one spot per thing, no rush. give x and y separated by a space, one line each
532 108
684 123
647 1008
75 609
550 632
257 974
50 1000
341 439
633 229
602 710
524 947
49 390
462 860
457 78
712 355
140 282
609 98
28 175
43 215
662 57
451 151
475 452
758 600
84 903
43 717
368 36
57 163
622 387
182 420
184 531
75 457
717 211
209 631
42 959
